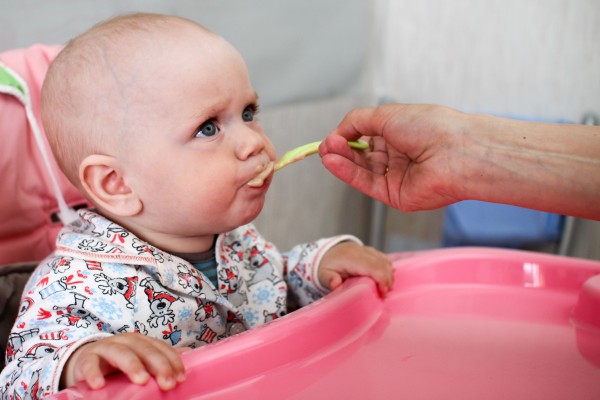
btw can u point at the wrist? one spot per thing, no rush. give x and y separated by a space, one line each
66 377
484 147
324 253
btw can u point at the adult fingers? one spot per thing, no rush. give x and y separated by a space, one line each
363 179
360 122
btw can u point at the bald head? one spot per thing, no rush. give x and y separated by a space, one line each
93 87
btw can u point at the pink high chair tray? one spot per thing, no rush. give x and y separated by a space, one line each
459 324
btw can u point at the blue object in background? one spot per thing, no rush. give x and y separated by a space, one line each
477 223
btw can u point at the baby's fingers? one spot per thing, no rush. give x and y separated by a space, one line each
383 277
128 361
384 287
330 279
88 370
92 366
164 363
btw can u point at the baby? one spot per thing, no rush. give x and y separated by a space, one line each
153 118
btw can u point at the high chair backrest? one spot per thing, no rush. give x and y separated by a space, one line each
33 191
31 181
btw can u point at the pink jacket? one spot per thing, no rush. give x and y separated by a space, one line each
27 202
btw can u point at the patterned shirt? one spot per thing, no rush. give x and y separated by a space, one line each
102 280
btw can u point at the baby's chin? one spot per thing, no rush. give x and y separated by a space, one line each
253 213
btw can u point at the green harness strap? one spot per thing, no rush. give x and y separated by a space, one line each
9 83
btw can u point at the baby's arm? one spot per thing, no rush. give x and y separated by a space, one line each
312 269
62 337
136 355
348 259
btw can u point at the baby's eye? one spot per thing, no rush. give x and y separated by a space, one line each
249 113
207 129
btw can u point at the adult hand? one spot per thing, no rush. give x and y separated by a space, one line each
410 160
424 157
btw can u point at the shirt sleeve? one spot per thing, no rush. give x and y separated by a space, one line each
57 315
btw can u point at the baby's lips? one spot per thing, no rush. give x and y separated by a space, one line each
259 179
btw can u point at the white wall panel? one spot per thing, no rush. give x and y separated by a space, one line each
520 58
528 58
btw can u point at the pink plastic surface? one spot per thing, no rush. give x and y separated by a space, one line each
459 324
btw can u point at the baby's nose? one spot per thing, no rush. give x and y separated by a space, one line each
249 143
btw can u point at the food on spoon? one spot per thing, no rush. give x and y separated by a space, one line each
300 153
259 179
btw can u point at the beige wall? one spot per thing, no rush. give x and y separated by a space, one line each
306 202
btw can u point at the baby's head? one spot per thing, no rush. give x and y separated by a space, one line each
153 118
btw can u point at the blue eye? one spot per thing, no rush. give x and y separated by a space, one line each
249 113
207 129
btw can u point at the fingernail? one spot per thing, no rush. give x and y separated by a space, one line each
166 383
181 377
97 382
141 378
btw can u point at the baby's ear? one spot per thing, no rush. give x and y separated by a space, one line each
102 178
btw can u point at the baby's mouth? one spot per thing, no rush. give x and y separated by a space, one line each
264 172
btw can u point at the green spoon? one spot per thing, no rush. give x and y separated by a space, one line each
300 153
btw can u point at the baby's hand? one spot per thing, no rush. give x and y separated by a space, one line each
349 259
136 355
